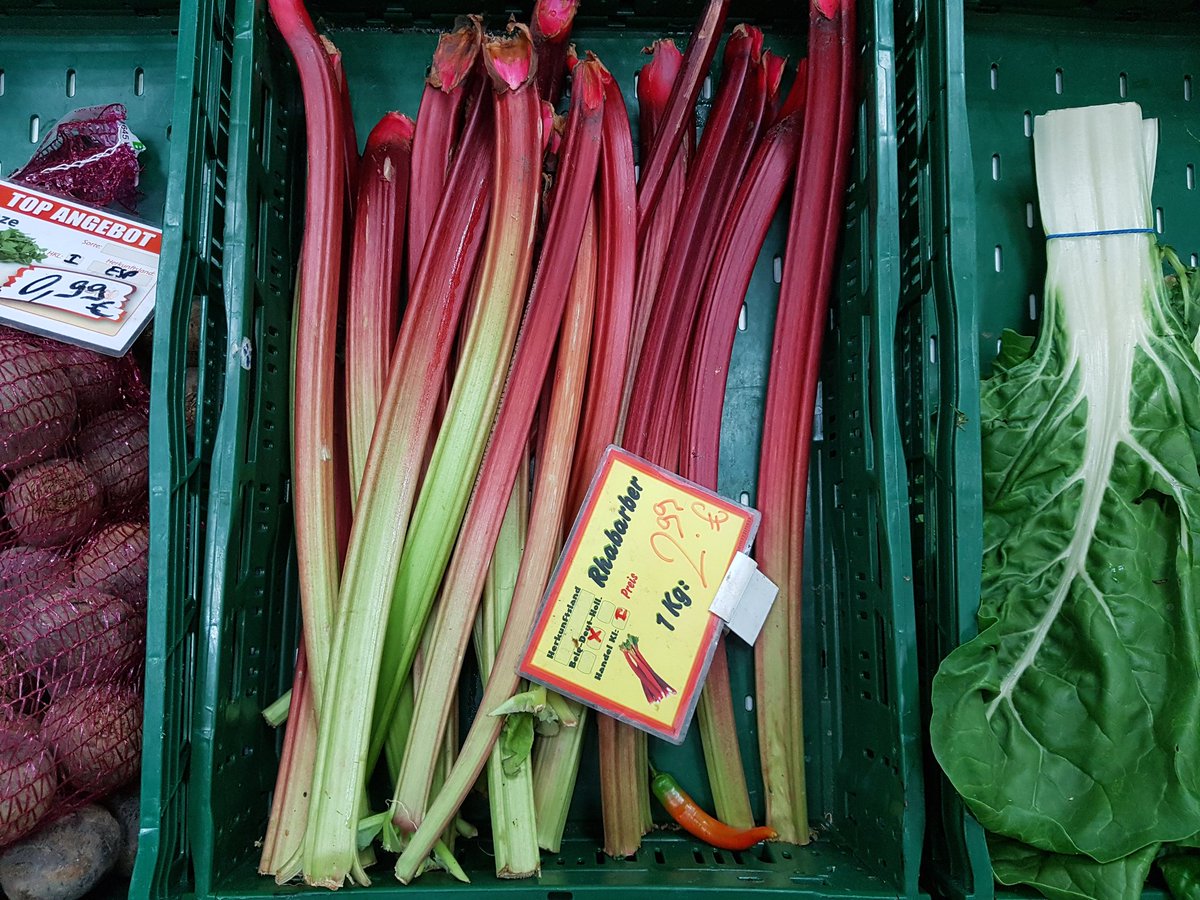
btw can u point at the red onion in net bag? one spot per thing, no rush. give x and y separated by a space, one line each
74 550
89 155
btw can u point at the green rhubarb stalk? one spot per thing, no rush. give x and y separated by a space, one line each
571 370
485 357
318 287
555 769
557 763
510 796
373 289
548 506
545 524
385 500
475 541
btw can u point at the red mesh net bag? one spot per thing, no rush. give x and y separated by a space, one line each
90 155
74 546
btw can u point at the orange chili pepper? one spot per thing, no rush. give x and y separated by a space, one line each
698 823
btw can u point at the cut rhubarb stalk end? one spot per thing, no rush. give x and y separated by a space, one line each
510 59
553 18
701 49
456 53
656 79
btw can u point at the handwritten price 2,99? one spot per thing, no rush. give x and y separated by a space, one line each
669 544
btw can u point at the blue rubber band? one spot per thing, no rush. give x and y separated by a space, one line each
1086 234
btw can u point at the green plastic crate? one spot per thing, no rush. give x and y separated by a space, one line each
970 78
163 61
861 676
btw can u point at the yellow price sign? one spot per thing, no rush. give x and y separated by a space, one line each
625 625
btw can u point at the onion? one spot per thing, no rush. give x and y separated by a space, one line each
115 561
115 448
37 403
27 779
96 734
52 503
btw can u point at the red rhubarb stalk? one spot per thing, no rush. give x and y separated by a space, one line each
791 396
700 52
373 292
289 804
615 292
388 489
442 103
349 137
551 29
476 540
318 287
654 84
724 151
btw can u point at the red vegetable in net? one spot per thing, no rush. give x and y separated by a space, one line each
90 155
27 570
73 570
96 734
53 503
115 450
37 403
95 378
27 779
115 561
72 636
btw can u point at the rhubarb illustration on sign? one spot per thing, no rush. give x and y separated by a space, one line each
653 686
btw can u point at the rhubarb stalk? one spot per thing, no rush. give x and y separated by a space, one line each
388 488
557 762
373 292
724 151
510 796
521 853
551 29
547 511
289 804
486 355
741 240
699 56
442 103
654 84
318 287
460 593
791 396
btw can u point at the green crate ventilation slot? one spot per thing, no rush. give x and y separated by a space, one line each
861 680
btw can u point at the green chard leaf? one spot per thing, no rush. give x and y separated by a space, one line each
1181 871
1070 722
1061 876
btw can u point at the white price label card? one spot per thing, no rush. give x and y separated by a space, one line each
82 275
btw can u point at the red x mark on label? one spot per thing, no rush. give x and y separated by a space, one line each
593 634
